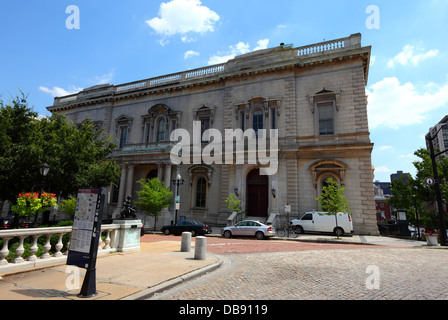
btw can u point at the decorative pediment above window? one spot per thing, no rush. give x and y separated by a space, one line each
124 120
200 169
265 104
159 110
205 111
325 167
324 96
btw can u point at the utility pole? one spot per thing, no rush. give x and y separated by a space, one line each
429 139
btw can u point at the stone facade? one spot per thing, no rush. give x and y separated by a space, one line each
313 95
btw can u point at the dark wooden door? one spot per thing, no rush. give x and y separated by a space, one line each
257 200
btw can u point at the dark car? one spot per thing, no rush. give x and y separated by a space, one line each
8 222
192 226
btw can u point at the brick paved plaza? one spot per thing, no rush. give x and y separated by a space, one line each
308 271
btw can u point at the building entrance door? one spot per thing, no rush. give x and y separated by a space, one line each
257 200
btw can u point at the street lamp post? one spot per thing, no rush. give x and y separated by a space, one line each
178 181
43 169
429 139
416 214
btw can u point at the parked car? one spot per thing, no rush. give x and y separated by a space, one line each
192 226
7 223
249 228
321 222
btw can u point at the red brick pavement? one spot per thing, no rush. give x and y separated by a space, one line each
224 246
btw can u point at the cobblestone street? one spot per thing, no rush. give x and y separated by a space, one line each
331 274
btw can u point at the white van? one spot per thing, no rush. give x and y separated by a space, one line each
320 222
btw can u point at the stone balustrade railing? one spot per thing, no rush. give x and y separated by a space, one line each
330 46
309 51
107 246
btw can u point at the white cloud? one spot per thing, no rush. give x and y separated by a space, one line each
392 104
407 156
411 54
262 44
190 53
59 92
385 148
238 49
183 17
106 78
382 169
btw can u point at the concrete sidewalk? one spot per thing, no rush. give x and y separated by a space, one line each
120 276
139 275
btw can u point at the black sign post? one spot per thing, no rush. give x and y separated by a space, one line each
85 237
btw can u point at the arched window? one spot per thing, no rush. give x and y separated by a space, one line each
201 192
161 129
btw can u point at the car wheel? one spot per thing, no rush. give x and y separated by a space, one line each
227 234
166 232
299 229
259 235
338 231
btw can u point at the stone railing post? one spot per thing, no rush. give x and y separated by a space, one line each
4 252
33 249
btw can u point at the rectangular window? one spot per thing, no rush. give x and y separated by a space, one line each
326 120
205 125
257 121
123 136
201 192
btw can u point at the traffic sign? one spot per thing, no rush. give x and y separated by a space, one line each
430 181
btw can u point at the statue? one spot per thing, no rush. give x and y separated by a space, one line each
128 211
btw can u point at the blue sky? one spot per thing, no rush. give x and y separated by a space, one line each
125 41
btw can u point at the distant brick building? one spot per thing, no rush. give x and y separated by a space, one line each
313 95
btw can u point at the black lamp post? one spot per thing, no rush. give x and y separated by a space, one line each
43 169
429 139
416 214
178 181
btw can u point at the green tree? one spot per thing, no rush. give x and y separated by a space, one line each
78 156
153 197
233 204
19 149
416 194
332 199
68 206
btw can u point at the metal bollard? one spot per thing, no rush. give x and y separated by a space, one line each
186 242
199 248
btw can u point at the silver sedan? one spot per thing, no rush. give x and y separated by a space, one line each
249 228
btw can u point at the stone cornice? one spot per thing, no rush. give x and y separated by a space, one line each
262 62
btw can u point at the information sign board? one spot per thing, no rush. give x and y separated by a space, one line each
86 228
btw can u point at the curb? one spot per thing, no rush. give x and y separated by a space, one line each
150 292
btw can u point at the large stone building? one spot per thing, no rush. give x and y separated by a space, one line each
313 95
